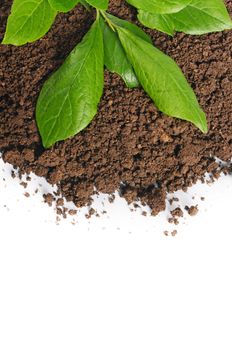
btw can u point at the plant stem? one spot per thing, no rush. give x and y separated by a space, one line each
85 4
104 15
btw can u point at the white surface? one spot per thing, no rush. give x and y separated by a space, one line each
115 282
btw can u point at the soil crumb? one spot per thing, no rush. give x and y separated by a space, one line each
193 210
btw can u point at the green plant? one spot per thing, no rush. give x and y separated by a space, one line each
69 99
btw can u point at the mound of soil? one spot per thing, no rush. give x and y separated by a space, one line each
129 146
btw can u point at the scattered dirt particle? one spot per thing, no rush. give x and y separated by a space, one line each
49 199
174 233
136 205
111 198
24 184
178 212
172 200
72 212
175 215
193 210
174 221
59 211
90 213
60 202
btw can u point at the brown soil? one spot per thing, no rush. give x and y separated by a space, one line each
129 146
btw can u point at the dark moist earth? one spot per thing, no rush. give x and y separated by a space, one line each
129 146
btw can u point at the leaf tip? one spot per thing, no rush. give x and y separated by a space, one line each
205 129
46 142
202 124
46 145
7 41
4 41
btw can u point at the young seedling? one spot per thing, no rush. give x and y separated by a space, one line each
69 99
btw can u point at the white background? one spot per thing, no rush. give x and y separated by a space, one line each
114 282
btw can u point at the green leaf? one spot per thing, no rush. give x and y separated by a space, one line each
163 80
163 23
29 20
69 99
63 5
199 17
130 26
159 6
99 4
115 57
